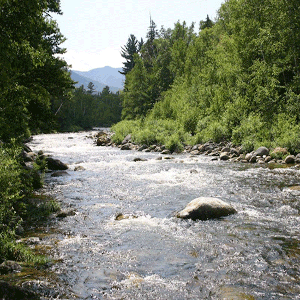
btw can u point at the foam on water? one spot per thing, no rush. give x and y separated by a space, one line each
149 254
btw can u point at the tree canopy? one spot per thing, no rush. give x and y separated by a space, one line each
34 80
235 79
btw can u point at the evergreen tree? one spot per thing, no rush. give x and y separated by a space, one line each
91 88
132 47
208 23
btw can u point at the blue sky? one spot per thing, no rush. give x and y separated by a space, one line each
96 30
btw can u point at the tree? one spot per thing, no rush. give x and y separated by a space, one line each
91 88
149 51
208 23
132 47
33 78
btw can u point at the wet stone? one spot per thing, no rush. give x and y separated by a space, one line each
139 159
9 266
205 208
60 174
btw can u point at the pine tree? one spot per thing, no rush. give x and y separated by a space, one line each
132 47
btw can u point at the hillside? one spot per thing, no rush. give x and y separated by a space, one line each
101 77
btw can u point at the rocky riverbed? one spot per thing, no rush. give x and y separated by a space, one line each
217 151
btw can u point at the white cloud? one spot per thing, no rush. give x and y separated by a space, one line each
88 60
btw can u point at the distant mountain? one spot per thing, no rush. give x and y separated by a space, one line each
100 77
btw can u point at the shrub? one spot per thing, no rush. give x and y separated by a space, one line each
211 130
174 143
123 128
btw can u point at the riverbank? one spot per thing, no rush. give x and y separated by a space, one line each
24 210
224 151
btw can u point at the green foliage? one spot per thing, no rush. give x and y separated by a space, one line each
87 110
132 47
32 77
123 128
237 79
11 250
18 206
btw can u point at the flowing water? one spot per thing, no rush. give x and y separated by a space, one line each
149 254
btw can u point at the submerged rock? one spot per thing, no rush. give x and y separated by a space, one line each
79 168
139 159
204 208
60 174
120 217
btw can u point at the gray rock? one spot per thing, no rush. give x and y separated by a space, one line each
143 147
225 149
125 147
195 152
214 153
166 151
268 159
31 241
204 208
79 168
253 159
261 151
9 266
224 156
234 151
248 156
55 164
139 159
290 159
127 139
67 213
60 174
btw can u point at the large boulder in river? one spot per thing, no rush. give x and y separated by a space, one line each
55 164
204 208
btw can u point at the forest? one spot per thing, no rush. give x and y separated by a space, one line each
37 95
89 109
232 79
235 78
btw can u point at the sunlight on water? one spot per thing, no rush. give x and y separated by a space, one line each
125 243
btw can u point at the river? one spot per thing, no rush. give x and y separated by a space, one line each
149 254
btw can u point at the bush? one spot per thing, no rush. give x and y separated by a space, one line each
123 128
252 133
287 133
211 130
174 143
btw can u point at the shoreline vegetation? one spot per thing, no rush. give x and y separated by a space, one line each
229 89
225 151
23 209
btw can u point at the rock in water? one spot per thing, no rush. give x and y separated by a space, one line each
55 164
204 208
